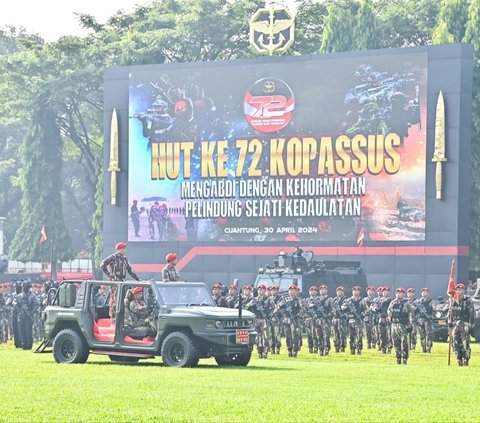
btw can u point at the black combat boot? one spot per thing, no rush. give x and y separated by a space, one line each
369 346
290 354
465 361
310 350
359 352
399 360
405 360
352 351
326 352
342 349
295 354
315 350
460 362
424 349
320 352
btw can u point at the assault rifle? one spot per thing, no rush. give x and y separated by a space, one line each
423 311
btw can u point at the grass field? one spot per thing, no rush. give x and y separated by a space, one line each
310 388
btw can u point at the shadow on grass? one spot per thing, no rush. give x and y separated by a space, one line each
200 366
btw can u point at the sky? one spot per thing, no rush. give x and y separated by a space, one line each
55 18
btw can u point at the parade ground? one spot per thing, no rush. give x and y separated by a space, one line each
341 387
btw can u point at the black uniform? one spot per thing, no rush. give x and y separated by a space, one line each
14 300
28 305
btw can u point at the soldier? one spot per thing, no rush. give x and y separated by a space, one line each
462 324
353 310
169 272
140 317
325 321
311 321
247 295
384 330
217 295
15 304
37 316
292 309
116 266
135 216
412 337
100 296
400 314
424 316
232 296
28 305
262 308
369 317
275 322
339 321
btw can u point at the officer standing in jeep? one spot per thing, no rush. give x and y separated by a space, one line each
400 315
169 272
116 266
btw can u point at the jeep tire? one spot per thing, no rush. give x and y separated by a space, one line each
178 350
70 347
241 359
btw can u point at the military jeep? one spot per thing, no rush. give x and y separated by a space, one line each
186 324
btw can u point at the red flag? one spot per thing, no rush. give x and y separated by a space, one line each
361 237
43 234
451 291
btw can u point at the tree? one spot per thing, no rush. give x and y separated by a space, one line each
365 34
41 156
339 22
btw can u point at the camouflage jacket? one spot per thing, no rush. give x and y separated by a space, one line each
116 267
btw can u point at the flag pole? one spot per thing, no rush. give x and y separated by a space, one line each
51 256
451 294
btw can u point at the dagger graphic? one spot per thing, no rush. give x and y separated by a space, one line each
439 153
113 166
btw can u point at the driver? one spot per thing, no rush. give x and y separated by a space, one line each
141 318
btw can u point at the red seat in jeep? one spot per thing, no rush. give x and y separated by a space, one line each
145 341
103 330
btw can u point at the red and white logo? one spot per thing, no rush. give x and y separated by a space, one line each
269 104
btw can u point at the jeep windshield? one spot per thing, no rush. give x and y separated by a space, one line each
180 295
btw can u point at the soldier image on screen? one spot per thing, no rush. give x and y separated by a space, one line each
339 321
135 216
27 305
275 322
424 316
412 336
219 299
353 309
384 326
115 267
369 317
324 321
400 315
292 309
462 324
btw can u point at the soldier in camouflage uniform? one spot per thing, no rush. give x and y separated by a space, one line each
400 314
262 308
424 316
353 309
292 309
139 316
116 267
384 328
311 320
339 321
275 328
217 296
376 306
170 272
232 296
37 317
8 328
325 321
462 324
412 338
3 319
369 317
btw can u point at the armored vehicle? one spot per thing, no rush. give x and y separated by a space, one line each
302 270
184 324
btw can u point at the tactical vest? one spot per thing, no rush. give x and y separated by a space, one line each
399 313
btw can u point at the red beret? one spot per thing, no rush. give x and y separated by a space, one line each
400 290
233 287
293 287
380 288
356 288
340 288
262 287
120 245
386 288
171 257
275 288
313 288
218 285
137 290
425 290
460 286
323 287
248 287
411 290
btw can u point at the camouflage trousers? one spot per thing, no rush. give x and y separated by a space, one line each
412 337
274 335
384 335
461 340
293 334
38 332
311 327
339 334
355 331
425 330
324 333
112 305
3 329
400 340
370 332
262 337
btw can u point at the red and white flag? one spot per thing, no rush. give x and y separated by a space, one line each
451 290
43 234
361 238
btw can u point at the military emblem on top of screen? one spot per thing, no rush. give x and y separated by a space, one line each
272 30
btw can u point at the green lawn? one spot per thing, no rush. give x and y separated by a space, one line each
310 388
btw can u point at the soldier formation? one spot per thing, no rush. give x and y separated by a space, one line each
387 323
